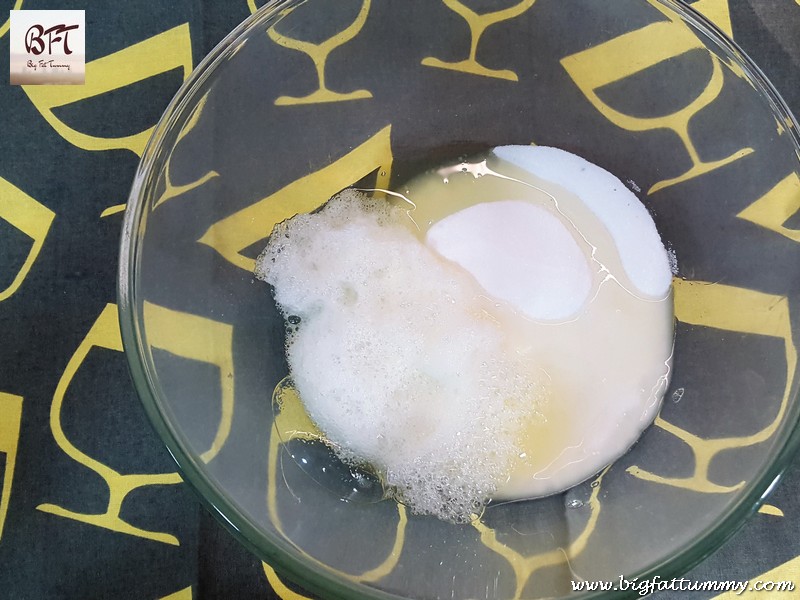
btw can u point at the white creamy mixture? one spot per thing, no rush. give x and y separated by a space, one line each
505 332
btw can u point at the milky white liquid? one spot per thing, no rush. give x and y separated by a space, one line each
602 333
496 335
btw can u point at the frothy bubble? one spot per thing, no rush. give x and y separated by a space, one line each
395 359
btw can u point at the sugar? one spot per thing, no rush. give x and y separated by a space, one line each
518 252
626 218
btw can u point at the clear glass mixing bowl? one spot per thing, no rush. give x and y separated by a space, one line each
308 97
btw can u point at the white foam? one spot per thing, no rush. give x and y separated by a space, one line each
518 252
640 248
394 357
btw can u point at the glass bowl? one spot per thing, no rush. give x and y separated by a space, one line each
306 98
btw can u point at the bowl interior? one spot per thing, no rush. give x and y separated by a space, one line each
309 97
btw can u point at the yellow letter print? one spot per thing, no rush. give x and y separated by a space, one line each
184 594
159 54
4 26
775 207
771 509
203 340
477 25
32 219
632 53
731 309
244 228
283 591
718 12
10 420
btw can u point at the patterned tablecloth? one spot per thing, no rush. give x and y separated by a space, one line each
87 508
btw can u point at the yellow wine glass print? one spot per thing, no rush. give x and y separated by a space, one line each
631 53
319 54
525 565
743 311
104 334
206 340
477 25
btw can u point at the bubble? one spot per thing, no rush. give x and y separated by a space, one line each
433 400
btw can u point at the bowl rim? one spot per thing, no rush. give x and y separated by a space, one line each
279 552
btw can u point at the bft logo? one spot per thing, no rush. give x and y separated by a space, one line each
35 40
47 47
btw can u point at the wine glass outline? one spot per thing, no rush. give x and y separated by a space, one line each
477 25
319 54
586 69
